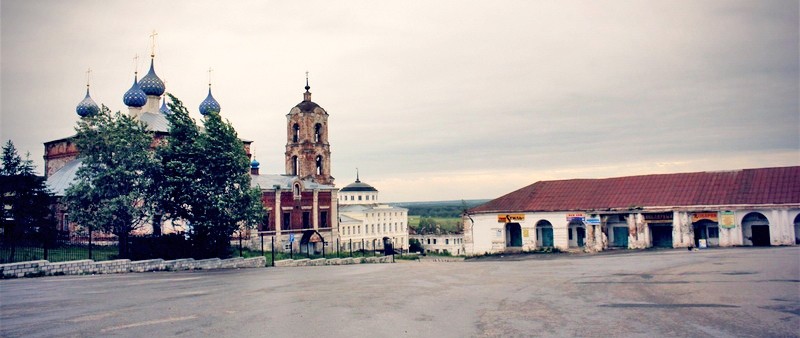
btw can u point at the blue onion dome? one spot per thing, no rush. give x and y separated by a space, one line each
254 164
135 97
209 104
87 107
164 109
151 84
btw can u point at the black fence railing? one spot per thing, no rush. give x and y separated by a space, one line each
58 250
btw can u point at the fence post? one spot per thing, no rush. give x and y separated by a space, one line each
90 242
262 244
240 244
44 247
272 252
337 248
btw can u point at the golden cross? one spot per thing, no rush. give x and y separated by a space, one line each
136 64
153 45
88 74
209 76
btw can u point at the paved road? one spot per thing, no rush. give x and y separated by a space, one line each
721 292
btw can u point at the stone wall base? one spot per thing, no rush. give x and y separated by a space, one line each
88 266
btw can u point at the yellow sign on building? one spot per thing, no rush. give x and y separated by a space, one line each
727 220
508 218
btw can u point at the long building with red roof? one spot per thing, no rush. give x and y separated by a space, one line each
723 208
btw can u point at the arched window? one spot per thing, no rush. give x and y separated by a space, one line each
317 132
295 132
296 190
295 164
319 165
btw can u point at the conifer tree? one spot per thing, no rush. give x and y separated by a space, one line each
113 181
24 200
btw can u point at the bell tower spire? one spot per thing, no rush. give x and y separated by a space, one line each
308 153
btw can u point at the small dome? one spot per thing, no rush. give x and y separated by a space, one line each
87 107
307 106
151 84
254 164
358 186
135 97
164 109
209 104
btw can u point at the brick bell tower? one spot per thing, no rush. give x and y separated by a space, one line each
308 153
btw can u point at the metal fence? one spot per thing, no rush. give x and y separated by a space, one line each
172 246
57 250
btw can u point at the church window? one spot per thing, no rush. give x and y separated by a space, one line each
306 220
295 164
296 191
317 132
287 220
323 219
319 165
359 197
295 132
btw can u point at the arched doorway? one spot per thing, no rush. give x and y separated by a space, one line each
577 234
312 243
707 230
755 229
544 234
513 235
797 229
388 247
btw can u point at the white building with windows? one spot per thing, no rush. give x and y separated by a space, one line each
365 223
441 243
748 207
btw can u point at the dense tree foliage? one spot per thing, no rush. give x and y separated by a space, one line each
24 200
204 181
112 184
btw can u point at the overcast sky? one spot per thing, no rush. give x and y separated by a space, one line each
435 100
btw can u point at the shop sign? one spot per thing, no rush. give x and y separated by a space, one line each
593 221
698 216
576 216
727 220
661 217
525 233
508 218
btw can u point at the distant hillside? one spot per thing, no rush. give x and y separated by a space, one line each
439 208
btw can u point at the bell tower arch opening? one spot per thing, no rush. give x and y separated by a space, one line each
308 153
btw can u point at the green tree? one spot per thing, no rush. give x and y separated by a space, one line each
177 174
25 200
112 184
205 181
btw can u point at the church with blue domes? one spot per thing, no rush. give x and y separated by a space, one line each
146 102
300 203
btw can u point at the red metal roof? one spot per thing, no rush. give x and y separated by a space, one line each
738 187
